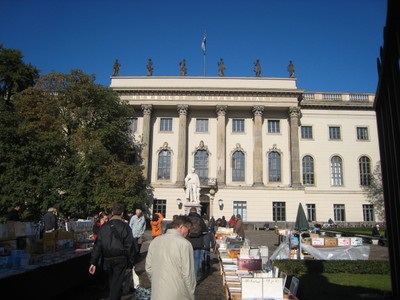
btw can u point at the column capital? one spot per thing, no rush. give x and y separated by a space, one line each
221 110
257 110
183 109
147 108
294 112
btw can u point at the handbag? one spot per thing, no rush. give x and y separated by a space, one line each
135 279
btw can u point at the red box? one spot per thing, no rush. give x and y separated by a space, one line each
250 264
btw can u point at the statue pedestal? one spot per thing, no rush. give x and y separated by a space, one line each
189 205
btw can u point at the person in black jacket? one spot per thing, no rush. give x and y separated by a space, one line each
196 238
115 243
14 215
50 220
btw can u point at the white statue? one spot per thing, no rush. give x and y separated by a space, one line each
192 184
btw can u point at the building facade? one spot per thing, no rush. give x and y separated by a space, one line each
260 146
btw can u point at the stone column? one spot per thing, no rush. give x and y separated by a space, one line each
221 145
294 115
257 151
182 144
146 108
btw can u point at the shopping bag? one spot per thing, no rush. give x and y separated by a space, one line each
135 278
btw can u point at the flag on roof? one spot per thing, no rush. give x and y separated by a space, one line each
203 44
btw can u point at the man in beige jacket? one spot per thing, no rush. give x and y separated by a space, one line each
170 263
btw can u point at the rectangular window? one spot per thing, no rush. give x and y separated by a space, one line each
238 125
240 207
311 213
166 124
334 133
362 133
339 212
201 125
306 132
368 213
160 205
279 211
133 125
274 126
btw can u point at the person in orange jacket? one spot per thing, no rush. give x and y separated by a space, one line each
155 223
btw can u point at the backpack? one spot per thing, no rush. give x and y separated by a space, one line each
195 231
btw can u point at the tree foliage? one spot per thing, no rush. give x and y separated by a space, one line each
65 143
375 192
15 75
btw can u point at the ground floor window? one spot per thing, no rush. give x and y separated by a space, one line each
311 213
240 208
278 211
339 212
368 212
160 206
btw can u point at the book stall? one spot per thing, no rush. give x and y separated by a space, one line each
27 257
316 246
247 272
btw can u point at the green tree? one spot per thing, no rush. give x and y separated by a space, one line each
15 75
73 148
375 192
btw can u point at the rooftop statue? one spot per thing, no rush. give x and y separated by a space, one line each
116 67
221 68
182 67
257 68
291 69
150 67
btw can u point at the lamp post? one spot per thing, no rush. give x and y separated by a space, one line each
221 204
179 202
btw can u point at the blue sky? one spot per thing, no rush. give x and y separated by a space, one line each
334 45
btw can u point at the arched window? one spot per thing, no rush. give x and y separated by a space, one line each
336 171
164 165
201 164
365 170
238 166
308 170
274 166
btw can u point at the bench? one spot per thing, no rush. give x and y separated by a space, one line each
261 226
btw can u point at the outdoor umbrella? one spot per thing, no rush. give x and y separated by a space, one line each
301 220
301 225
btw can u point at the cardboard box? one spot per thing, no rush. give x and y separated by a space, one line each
331 242
356 241
344 241
64 235
50 236
318 242
250 264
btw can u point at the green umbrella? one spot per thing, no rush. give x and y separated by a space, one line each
301 220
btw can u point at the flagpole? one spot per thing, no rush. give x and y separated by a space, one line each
204 48
204 64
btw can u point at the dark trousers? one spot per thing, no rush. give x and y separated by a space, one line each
116 270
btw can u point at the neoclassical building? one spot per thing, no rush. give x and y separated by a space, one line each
260 146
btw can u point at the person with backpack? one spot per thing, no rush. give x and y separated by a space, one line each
115 243
196 237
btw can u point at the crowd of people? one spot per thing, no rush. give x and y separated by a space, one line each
179 256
